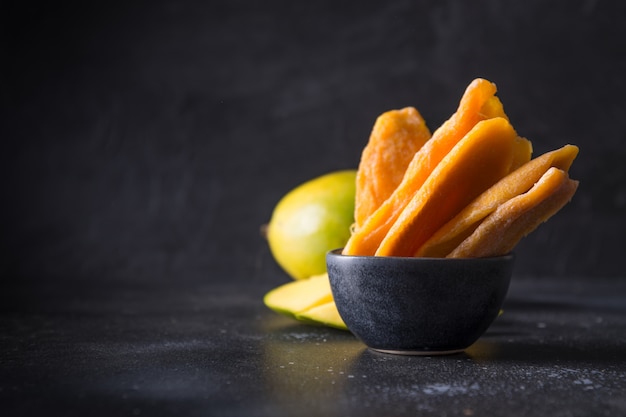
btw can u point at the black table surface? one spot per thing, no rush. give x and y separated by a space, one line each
559 349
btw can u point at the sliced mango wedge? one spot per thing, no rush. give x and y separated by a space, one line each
297 296
309 300
324 314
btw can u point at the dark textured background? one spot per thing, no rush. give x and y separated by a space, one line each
148 141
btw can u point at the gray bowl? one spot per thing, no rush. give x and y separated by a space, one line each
418 306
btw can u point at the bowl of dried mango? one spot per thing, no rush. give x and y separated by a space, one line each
418 306
456 200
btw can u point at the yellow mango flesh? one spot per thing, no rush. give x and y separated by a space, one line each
298 296
309 300
324 314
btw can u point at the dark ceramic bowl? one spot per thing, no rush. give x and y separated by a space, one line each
418 306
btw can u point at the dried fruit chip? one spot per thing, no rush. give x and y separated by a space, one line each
479 160
500 232
448 237
478 103
397 135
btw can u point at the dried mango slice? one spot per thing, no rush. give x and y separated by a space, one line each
478 161
448 237
396 136
500 232
522 153
478 103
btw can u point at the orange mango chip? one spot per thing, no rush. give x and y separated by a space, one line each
478 103
522 153
478 161
500 232
396 136
448 237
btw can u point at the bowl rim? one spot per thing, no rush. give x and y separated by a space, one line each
337 254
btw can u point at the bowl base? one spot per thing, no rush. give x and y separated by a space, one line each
419 352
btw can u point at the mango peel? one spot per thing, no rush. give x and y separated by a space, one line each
310 220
